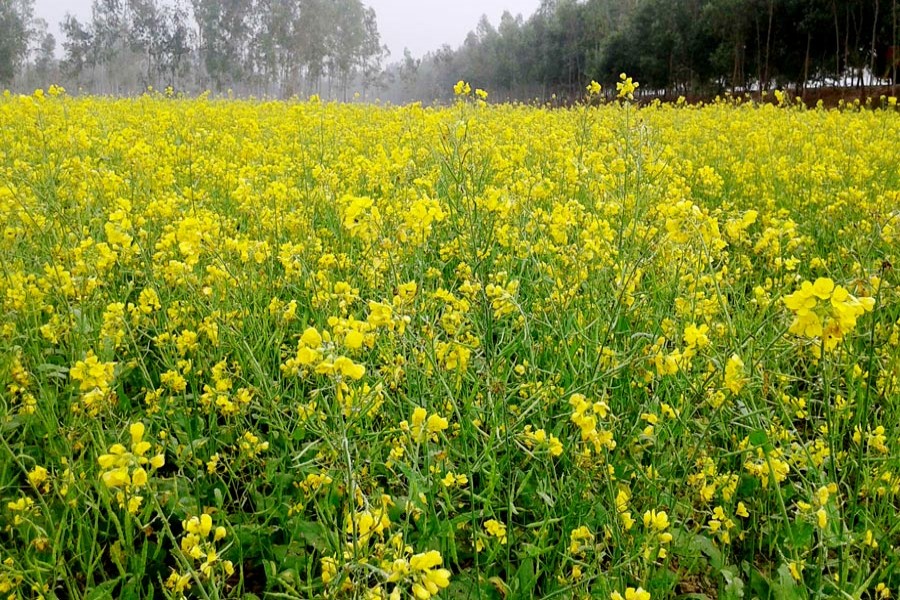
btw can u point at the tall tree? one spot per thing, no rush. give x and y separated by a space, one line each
371 52
15 23
44 49
78 43
225 29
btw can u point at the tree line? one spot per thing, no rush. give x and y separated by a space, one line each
333 48
264 47
673 47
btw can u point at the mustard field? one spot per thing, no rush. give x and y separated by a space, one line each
255 349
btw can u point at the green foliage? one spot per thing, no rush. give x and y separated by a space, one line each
674 47
258 46
15 16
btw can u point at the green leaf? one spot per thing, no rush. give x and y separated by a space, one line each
785 588
708 548
314 534
801 534
103 591
734 585
760 585
759 437
525 579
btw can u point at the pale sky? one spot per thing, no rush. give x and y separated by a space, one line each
420 25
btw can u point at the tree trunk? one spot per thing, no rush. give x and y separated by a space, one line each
759 79
735 72
874 32
806 66
769 41
837 43
894 58
847 40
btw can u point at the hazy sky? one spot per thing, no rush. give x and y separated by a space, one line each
420 25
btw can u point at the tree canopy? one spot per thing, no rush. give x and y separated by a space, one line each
674 47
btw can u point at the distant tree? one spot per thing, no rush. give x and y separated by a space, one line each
225 35
730 24
78 43
148 33
314 48
175 43
371 52
345 38
509 53
44 51
275 52
408 72
110 27
15 22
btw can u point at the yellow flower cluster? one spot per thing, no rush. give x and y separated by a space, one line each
422 572
658 522
826 311
199 545
541 439
423 426
125 470
631 593
311 355
626 87
589 416
496 529
401 572
95 380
